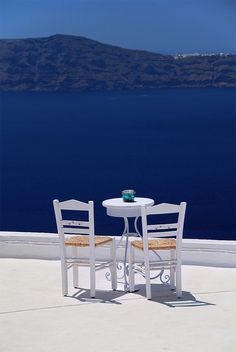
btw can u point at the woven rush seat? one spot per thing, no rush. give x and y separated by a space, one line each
83 241
163 243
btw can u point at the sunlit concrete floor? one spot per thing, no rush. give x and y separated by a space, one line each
34 316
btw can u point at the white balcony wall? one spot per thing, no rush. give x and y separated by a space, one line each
46 246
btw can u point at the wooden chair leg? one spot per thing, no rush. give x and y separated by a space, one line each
172 271
75 276
64 278
75 270
147 276
92 279
178 281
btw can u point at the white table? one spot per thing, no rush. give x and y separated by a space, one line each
116 207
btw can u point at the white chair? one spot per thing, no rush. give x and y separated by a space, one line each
157 238
85 237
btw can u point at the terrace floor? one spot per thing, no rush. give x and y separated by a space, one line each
35 317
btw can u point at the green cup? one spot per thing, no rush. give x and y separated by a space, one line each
128 195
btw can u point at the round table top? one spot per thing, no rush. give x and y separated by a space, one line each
118 203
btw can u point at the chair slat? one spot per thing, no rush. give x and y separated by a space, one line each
162 227
162 234
78 230
75 223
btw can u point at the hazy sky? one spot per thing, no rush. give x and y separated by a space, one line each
165 26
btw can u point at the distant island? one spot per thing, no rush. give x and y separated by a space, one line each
72 63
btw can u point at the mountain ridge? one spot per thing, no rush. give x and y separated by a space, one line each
74 63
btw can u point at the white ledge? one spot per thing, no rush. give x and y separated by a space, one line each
30 245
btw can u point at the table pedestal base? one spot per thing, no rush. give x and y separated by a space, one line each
125 237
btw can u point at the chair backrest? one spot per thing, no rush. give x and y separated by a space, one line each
67 226
173 229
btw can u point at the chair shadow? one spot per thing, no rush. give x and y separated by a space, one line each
108 296
164 295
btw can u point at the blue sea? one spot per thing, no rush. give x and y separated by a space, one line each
171 145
